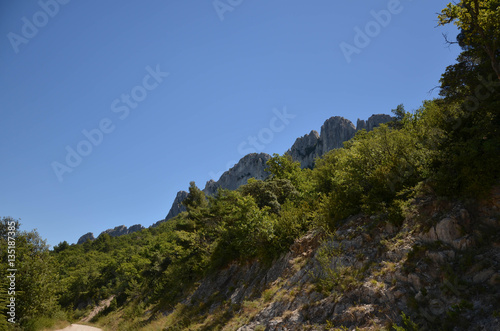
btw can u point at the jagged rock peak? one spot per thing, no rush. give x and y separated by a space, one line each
250 166
117 231
177 206
135 228
334 132
305 148
85 237
373 121
123 230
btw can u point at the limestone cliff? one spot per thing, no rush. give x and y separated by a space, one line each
305 149
122 230
334 132
373 121
115 232
85 237
250 166
177 206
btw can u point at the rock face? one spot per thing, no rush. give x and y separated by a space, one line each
135 228
373 121
177 206
334 132
85 237
305 149
117 231
122 230
250 166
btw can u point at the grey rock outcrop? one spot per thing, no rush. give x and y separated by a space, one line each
135 228
117 231
85 237
451 230
334 132
177 206
373 121
123 230
250 166
305 149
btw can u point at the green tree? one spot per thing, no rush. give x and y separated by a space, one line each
399 117
61 246
36 281
102 243
195 200
479 22
243 229
272 193
370 172
471 144
283 167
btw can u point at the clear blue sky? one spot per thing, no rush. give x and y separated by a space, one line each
69 68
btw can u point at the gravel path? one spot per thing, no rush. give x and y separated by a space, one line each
78 327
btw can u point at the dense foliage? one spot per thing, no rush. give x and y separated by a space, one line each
32 281
451 145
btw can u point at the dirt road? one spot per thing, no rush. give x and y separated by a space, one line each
78 327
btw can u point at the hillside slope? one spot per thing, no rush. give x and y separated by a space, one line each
445 274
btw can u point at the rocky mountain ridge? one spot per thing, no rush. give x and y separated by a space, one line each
334 132
115 232
250 166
